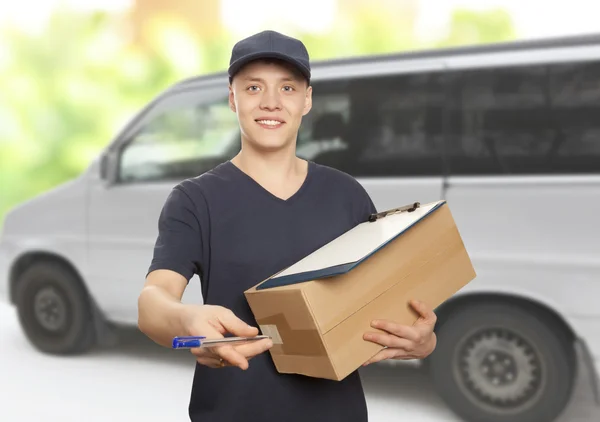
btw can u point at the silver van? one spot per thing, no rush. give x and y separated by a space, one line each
508 134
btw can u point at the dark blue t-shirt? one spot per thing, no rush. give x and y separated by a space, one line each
233 233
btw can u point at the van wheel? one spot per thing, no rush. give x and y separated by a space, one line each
54 310
498 362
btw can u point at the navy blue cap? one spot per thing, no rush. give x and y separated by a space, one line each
270 45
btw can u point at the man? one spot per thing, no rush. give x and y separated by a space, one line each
245 220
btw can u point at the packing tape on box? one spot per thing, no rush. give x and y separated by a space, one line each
292 341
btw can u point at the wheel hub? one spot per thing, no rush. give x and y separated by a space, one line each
500 369
50 309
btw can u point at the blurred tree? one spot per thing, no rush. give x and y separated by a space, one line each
469 27
188 32
66 93
201 18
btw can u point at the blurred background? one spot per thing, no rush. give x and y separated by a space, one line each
73 72
72 75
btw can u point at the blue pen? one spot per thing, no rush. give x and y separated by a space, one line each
189 342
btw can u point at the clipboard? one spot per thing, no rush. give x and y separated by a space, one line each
353 247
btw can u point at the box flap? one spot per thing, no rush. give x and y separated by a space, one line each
352 248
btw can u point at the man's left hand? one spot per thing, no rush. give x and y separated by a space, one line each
405 342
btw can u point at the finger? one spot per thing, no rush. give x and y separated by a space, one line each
247 351
254 348
382 355
226 352
229 354
402 331
236 326
204 352
214 361
210 362
232 354
211 332
424 311
390 353
389 340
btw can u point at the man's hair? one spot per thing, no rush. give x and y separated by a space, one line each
280 62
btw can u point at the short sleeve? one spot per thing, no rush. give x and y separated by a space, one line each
178 246
369 205
363 204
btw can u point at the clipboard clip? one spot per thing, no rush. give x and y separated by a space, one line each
405 208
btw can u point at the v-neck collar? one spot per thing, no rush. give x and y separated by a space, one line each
268 193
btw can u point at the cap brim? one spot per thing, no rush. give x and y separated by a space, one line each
241 62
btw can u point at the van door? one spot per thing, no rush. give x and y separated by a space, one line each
523 150
389 133
183 135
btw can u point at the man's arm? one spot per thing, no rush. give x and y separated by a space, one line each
161 315
178 255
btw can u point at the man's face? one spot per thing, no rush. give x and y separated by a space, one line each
270 100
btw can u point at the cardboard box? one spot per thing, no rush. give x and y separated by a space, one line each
317 325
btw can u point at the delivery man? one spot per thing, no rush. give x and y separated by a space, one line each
242 222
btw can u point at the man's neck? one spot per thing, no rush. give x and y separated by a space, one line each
280 172
278 165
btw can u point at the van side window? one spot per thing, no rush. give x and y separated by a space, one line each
575 89
398 125
498 121
522 120
322 134
384 126
185 137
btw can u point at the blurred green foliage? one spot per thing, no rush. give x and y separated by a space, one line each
469 27
67 90
65 93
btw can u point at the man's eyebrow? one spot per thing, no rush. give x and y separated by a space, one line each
257 79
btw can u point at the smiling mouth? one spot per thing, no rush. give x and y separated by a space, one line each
269 123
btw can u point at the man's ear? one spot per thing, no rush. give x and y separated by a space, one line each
231 99
307 101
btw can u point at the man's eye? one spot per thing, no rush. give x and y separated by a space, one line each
288 88
252 88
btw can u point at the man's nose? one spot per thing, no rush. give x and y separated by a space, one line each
271 100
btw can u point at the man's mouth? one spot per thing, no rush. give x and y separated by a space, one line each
269 123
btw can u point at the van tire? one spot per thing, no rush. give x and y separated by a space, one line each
54 309
517 364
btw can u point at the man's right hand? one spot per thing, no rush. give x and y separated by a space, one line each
214 322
